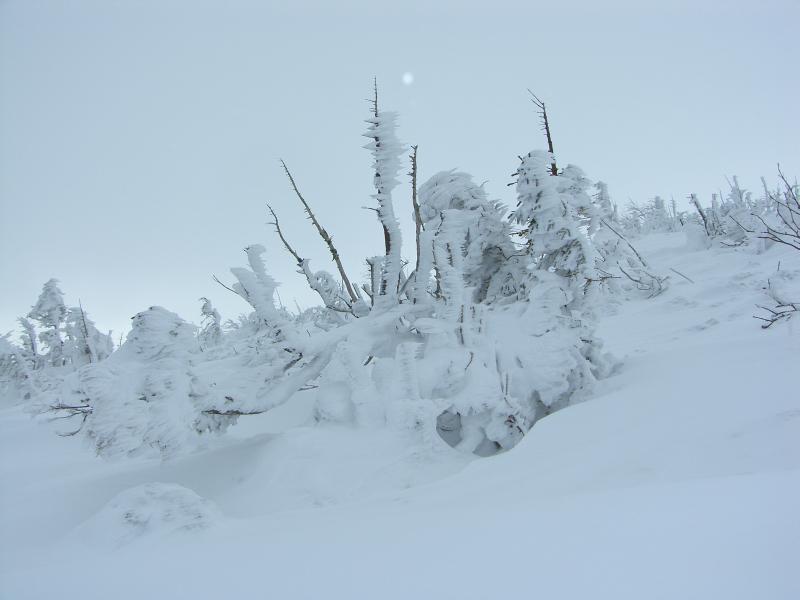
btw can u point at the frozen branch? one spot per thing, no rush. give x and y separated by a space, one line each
546 128
324 235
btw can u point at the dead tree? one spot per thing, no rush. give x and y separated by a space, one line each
696 203
414 200
546 128
87 350
386 151
387 238
324 235
302 264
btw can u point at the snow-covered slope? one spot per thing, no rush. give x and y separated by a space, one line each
679 479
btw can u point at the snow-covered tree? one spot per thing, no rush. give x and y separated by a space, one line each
50 312
463 227
650 217
15 372
606 208
210 333
386 151
30 344
499 368
660 220
84 343
257 288
557 217
479 343
146 398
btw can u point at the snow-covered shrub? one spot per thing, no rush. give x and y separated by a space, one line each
150 509
146 398
740 219
781 222
782 227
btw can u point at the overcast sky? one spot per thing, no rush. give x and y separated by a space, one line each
139 140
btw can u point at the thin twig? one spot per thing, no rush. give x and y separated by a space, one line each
225 286
624 239
286 244
681 274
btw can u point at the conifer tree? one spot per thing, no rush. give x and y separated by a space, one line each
210 333
50 312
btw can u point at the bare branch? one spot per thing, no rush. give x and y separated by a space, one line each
681 274
783 308
546 127
655 285
225 286
277 226
233 413
323 234
624 239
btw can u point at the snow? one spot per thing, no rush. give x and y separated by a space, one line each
679 478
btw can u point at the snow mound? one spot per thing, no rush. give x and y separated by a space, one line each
148 510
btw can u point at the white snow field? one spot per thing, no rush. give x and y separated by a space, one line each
679 479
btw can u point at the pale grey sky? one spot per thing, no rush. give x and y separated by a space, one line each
139 140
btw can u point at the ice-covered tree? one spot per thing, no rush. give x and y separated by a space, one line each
481 341
606 208
386 151
50 312
210 333
659 219
464 230
15 372
499 368
557 217
649 217
146 398
30 346
84 343
257 288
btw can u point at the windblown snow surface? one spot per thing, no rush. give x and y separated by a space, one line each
678 480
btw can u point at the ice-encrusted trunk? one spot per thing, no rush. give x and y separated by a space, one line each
386 151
